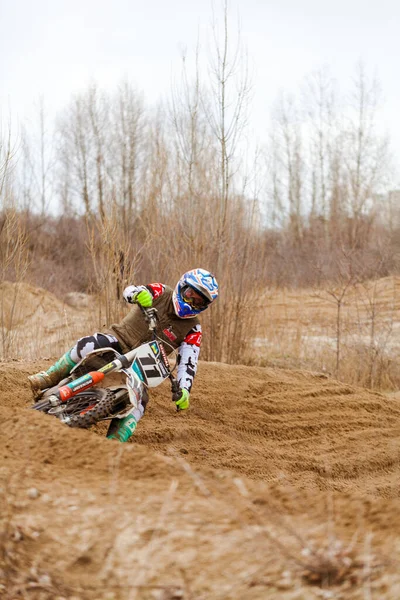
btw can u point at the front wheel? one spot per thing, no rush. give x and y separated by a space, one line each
87 408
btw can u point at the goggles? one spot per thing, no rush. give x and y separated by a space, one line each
193 298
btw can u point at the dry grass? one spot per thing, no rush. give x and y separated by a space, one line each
298 329
290 329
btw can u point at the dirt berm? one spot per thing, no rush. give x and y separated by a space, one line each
274 485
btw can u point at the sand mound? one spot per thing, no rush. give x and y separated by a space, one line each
263 423
21 302
233 499
37 323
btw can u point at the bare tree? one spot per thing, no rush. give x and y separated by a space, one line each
97 109
38 160
76 151
288 172
8 150
194 154
320 107
365 153
14 252
230 91
226 114
128 120
336 291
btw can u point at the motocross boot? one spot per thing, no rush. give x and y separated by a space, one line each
45 379
122 429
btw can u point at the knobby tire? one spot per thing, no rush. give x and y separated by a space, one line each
106 405
103 409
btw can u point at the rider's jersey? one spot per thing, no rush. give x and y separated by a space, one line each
182 334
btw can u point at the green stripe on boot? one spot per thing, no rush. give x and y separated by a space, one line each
123 429
62 367
53 375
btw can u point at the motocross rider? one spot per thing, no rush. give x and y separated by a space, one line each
179 326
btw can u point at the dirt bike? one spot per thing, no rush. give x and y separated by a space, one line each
87 396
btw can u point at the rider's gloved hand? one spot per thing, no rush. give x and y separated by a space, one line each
181 399
138 294
144 298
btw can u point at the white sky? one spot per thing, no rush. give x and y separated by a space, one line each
57 47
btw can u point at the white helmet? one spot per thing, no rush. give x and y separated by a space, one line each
194 292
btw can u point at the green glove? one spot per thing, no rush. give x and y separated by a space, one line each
181 399
144 298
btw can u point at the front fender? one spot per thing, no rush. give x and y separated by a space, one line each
137 390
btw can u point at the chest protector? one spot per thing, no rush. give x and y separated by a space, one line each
133 329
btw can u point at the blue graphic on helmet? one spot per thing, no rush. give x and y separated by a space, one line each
206 287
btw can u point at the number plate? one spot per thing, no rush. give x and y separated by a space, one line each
149 366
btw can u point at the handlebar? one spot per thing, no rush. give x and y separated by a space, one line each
151 317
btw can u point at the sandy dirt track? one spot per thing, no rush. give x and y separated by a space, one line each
275 485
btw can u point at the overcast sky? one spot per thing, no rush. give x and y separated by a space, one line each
56 47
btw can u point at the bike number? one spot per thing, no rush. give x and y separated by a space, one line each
149 366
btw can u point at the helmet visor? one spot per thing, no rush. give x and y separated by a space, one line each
194 298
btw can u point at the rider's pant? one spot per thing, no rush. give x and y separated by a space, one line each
93 342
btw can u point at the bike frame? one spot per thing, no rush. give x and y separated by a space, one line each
144 366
